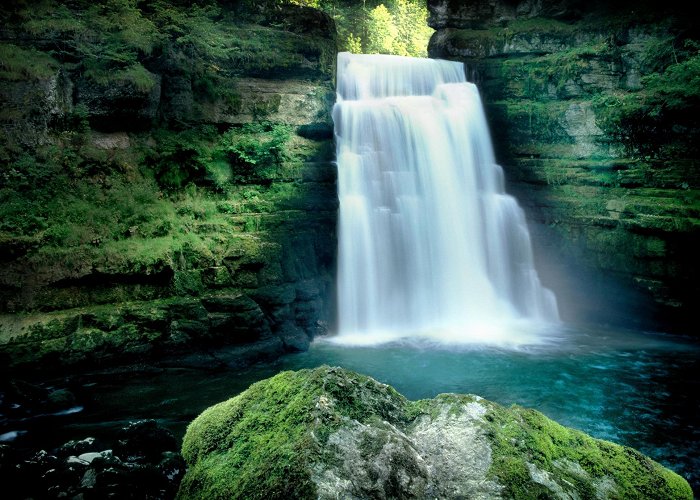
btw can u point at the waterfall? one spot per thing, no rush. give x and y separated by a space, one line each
429 242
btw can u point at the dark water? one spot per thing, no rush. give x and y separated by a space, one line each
632 388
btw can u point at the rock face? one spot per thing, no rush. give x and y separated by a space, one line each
210 153
331 433
594 120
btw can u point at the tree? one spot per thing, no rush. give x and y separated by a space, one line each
382 32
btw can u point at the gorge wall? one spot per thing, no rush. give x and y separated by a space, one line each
594 114
167 180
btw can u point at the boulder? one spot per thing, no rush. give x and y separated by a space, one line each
144 440
332 433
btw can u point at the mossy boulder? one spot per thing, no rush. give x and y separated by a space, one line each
332 433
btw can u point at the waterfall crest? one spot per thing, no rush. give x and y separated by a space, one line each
429 242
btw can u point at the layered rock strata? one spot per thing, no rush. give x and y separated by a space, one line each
594 114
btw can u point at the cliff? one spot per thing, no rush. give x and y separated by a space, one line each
593 108
167 180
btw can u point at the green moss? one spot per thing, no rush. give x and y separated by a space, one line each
253 442
256 151
106 38
263 442
135 74
532 120
178 199
539 25
663 110
17 63
268 441
525 433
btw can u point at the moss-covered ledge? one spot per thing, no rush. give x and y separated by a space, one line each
264 324
157 154
332 433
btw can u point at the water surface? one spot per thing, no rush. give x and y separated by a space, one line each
636 389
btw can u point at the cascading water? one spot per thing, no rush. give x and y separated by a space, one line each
429 243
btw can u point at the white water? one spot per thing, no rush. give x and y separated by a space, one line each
429 242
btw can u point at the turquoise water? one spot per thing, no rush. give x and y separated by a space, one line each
632 388
640 390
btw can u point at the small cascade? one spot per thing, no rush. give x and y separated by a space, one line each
429 242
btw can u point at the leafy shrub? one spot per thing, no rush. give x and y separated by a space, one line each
182 157
17 63
256 150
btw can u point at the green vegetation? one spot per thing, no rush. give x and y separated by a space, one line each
397 27
81 202
644 86
176 194
521 436
124 41
107 41
257 441
17 63
261 443
665 104
274 441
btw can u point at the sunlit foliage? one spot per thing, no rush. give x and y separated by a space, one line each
397 27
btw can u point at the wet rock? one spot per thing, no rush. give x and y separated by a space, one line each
79 447
31 106
275 295
149 467
89 457
172 467
144 440
331 433
61 399
294 338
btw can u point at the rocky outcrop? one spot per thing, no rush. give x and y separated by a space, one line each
330 433
481 14
594 119
142 462
215 142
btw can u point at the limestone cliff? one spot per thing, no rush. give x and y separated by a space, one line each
593 108
167 180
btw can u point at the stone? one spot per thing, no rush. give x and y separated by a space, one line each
89 457
331 433
78 447
61 399
569 100
275 295
229 303
120 105
89 479
30 106
481 14
216 277
109 141
144 440
75 461
294 338
134 296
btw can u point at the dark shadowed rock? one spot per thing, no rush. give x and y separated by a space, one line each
144 440
119 105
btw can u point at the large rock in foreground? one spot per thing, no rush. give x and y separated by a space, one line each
332 433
